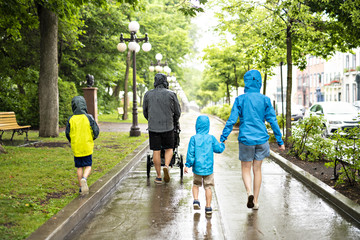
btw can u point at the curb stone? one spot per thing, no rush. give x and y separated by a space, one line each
343 203
82 208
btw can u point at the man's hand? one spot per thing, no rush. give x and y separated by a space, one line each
282 147
186 170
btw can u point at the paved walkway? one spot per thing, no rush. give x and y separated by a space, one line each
288 209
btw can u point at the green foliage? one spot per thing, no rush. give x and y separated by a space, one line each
305 134
67 91
346 153
309 144
222 111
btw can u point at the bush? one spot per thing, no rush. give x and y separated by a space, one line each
221 111
346 153
67 90
307 143
304 132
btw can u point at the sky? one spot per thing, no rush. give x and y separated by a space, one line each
206 36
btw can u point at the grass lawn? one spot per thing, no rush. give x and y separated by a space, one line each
114 117
36 182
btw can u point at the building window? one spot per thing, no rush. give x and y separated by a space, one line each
354 92
347 97
347 62
353 63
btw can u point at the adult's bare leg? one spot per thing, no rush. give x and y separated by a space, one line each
168 155
257 179
157 162
246 175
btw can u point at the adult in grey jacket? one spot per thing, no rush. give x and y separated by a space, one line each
162 110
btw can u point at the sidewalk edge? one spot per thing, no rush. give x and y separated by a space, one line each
78 210
343 203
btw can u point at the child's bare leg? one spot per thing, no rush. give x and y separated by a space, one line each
87 171
208 196
79 174
246 175
195 190
257 179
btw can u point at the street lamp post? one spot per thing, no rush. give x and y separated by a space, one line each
159 67
134 47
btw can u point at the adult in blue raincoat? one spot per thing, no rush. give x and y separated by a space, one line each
253 109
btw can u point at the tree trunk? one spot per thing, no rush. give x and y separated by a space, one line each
227 93
289 83
48 76
264 85
236 81
126 86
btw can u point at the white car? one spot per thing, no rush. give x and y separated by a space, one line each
338 115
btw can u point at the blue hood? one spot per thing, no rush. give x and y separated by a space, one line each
252 80
202 124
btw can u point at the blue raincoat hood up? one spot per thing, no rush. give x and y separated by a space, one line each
200 155
253 109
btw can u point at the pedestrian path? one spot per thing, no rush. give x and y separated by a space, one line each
288 209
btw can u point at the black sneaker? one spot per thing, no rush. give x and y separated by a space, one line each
196 205
250 203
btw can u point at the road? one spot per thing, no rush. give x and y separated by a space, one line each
140 209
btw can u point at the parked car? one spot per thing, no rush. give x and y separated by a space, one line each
297 111
357 105
338 115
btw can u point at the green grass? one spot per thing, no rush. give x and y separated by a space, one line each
113 117
35 183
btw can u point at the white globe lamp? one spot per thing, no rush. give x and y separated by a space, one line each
121 47
134 26
146 47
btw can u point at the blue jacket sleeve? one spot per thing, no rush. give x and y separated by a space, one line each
234 115
217 147
270 117
190 157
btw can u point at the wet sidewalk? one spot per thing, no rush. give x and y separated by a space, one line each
288 209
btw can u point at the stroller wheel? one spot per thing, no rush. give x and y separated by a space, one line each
181 165
148 165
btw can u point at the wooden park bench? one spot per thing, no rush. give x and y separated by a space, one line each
8 122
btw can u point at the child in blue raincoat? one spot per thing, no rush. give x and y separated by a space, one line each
200 157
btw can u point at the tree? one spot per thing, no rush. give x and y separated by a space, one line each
287 27
46 15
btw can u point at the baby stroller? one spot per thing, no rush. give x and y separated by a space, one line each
176 160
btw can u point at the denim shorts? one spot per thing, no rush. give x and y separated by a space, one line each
83 161
253 152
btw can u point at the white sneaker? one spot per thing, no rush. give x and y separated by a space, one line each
256 206
84 186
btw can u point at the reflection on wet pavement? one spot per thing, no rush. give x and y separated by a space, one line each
140 209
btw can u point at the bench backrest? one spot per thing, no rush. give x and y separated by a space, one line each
7 118
120 110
